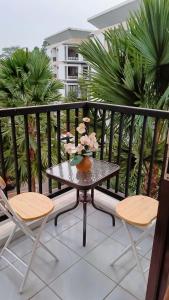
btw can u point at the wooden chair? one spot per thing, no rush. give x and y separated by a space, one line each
139 211
21 209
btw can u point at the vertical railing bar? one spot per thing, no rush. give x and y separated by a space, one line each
141 155
111 143
15 154
119 149
68 126
76 125
129 155
27 152
95 127
39 152
152 157
102 135
49 150
2 157
58 142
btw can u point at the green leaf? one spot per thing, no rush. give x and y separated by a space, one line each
88 153
76 160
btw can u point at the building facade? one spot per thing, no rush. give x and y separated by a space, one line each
68 65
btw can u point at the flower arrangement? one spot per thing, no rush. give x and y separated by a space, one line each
88 144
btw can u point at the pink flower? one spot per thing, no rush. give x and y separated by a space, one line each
92 137
94 146
79 148
81 128
85 140
70 148
68 134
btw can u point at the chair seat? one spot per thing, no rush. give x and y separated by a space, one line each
138 210
31 206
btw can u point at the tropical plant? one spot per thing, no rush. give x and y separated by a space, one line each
132 69
26 79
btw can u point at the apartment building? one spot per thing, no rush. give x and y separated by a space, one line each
112 17
68 65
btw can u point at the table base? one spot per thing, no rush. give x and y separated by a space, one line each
85 199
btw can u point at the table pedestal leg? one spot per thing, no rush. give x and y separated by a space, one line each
63 212
84 217
106 212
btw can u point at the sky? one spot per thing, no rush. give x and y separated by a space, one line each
26 23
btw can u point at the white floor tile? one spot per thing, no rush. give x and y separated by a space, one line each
10 282
82 282
45 294
78 212
121 236
103 222
135 283
63 223
45 266
103 255
120 294
73 238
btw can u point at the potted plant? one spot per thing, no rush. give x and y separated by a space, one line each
84 150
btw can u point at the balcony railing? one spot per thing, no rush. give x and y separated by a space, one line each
72 77
73 58
134 138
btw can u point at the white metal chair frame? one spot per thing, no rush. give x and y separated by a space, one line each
19 223
134 243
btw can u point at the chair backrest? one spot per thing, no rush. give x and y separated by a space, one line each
4 203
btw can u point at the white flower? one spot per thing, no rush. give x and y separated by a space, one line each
86 120
85 140
79 148
81 128
70 148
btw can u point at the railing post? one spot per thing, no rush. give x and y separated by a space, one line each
159 270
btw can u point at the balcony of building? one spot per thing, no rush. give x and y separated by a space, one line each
72 73
72 53
82 273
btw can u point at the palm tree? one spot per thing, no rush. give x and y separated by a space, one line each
26 79
133 70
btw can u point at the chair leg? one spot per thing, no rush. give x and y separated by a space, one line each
134 250
48 250
36 242
8 240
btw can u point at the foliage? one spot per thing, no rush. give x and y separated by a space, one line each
8 51
26 79
133 68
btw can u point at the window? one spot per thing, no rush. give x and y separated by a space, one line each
72 72
54 58
72 53
85 71
73 90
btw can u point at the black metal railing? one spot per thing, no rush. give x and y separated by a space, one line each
31 140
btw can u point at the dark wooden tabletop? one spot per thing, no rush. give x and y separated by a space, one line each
67 174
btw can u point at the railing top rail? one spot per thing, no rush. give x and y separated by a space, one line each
130 110
16 111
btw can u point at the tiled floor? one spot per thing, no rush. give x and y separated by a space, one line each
81 273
